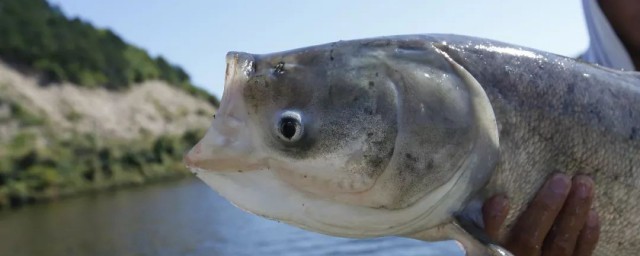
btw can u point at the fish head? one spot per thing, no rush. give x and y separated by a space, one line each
308 137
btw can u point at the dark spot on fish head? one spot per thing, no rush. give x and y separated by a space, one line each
368 111
410 157
429 164
635 133
279 69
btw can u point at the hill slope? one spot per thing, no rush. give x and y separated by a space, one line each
81 110
150 108
37 35
63 139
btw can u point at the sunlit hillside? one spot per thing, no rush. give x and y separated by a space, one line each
82 110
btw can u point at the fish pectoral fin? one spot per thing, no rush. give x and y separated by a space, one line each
474 240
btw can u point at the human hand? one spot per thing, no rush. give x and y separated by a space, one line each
558 220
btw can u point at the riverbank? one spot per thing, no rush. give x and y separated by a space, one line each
84 164
36 199
82 110
61 140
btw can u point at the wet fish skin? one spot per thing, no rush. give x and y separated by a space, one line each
429 110
559 114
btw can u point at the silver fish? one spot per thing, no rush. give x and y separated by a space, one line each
401 135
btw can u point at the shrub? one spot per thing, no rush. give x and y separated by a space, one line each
83 162
24 116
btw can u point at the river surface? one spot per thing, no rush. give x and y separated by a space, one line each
175 218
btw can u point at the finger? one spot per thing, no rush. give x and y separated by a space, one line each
589 235
561 240
494 212
534 223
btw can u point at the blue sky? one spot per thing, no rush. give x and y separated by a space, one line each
197 34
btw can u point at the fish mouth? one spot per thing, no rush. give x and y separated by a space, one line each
218 152
229 144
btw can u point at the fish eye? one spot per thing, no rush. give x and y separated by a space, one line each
289 127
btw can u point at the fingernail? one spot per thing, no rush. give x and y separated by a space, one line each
498 205
592 219
501 201
583 185
503 205
559 184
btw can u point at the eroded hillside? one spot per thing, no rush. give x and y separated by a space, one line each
61 139
151 108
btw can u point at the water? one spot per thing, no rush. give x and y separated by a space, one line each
175 218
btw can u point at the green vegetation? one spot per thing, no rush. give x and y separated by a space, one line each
24 116
33 170
40 164
38 161
39 36
17 112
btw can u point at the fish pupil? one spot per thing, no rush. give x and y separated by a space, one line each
288 127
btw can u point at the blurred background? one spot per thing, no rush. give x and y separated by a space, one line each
99 100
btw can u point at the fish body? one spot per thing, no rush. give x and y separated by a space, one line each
395 136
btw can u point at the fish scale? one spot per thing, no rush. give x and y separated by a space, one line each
577 124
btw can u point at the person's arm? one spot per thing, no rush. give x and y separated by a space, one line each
613 33
624 17
558 221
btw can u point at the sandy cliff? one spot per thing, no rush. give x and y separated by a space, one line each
151 108
63 139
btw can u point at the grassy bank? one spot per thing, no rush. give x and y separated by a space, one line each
34 167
